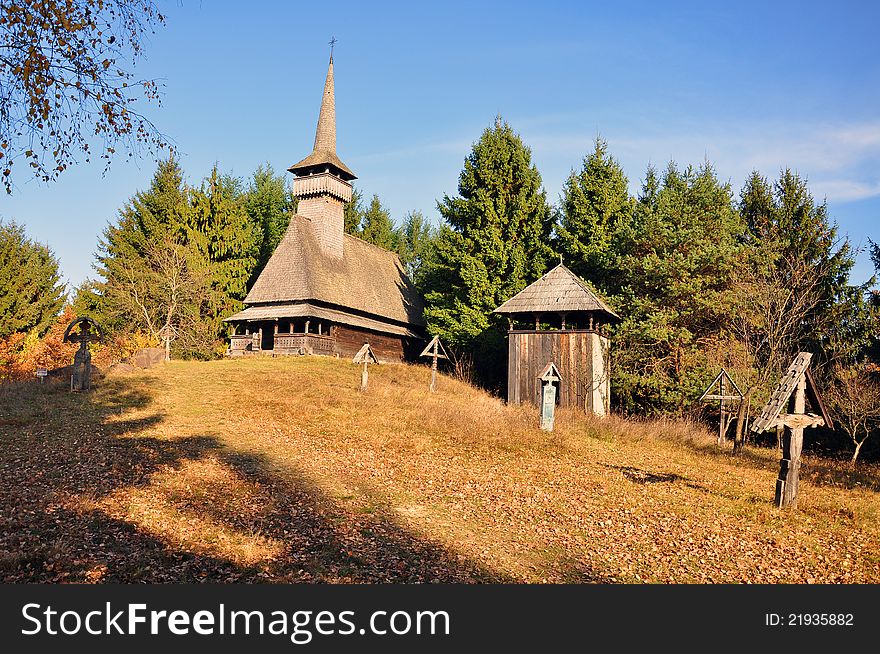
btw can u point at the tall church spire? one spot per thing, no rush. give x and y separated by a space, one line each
325 136
323 156
323 183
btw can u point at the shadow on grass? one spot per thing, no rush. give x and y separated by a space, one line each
820 471
643 477
56 447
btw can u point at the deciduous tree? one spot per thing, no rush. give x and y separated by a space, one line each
66 85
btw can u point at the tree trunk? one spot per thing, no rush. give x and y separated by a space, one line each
739 437
856 453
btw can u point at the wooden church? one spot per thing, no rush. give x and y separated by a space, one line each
558 319
324 291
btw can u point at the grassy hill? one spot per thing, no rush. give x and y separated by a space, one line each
281 470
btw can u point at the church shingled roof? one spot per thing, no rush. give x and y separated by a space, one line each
367 279
557 291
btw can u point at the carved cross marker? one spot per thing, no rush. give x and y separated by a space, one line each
549 377
795 387
365 356
89 332
725 383
435 350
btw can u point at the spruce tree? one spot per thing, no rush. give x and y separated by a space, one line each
31 291
228 242
151 219
178 260
493 243
377 227
595 203
269 205
353 213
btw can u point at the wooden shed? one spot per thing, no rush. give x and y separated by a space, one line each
559 319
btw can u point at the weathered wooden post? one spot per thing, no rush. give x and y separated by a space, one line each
435 350
795 387
548 377
792 446
723 394
365 356
81 378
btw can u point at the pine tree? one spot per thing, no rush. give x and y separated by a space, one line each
677 263
595 203
493 243
31 292
377 226
142 259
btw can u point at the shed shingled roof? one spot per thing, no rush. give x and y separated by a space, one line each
558 291
367 278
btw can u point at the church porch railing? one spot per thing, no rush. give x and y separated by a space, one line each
303 344
241 343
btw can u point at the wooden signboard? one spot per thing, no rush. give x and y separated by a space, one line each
42 373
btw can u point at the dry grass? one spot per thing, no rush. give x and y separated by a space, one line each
280 469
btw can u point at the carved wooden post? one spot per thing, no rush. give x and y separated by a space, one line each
435 350
792 445
548 395
727 391
89 332
721 412
365 356
795 387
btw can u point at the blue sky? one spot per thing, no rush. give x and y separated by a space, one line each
745 85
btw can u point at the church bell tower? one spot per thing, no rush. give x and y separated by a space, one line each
323 183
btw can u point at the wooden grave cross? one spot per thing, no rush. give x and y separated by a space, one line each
89 332
722 395
548 378
435 350
365 356
794 389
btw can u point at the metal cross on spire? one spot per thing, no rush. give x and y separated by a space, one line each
332 42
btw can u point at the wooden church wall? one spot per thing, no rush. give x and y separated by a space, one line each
350 339
582 360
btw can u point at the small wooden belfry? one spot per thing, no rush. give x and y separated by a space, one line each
794 389
728 391
559 319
